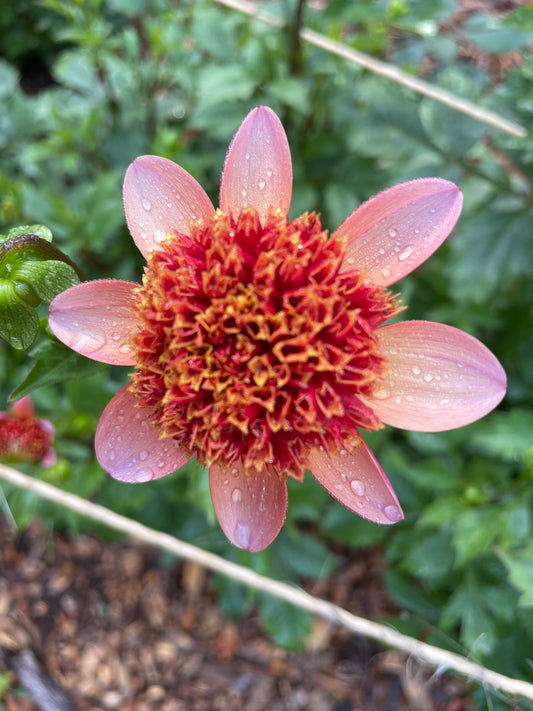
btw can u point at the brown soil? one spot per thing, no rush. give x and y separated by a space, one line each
91 625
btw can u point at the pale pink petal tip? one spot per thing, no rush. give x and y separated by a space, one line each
395 231
128 446
250 509
440 377
24 407
258 168
161 198
94 318
355 478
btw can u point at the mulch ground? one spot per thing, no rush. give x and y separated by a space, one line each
86 624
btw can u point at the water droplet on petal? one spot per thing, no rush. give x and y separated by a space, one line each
241 535
144 474
235 471
393 233
416 370
428 377
143 456
392 512
236 496
261 184
385 272
146 204
406 252
357 487
243 192
382 394
350 260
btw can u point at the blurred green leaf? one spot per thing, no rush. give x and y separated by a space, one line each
520 566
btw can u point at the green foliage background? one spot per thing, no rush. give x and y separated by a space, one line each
87 85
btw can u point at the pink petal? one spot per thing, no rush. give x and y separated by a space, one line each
440 377
160 197
355 479
24 407
396 230
250 509
95 319
258 168
128 446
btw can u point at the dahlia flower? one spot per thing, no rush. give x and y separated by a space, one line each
260 344
24 437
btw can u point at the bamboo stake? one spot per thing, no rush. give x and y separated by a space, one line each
423 652
385 69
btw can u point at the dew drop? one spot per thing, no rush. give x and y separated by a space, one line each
146 204
385 272
428 377
235 471
416 370
393 233
406 252
247 156
261 184
241 535
350 260
357 487
243 192
382 394
393 512
143 456
125 348
269 173
144 474
115 336
236 496
225 482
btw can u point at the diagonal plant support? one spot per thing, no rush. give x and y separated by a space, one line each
385 69
424 653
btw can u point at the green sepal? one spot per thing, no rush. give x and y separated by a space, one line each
37 230
47 278
19 324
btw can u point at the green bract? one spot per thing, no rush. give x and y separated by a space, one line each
32 270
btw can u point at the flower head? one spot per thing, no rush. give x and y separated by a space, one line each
260 344
24 437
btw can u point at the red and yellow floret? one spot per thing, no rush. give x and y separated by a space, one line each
253 346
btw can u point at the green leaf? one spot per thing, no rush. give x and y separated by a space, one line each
506 434
474 532
489 34
218 84
54 363
19 324
467 606
520 567
306 556
431 556
287 625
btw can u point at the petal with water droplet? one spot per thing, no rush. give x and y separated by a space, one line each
258 168
160 197
128 446
439 377
355 478
395 231
250 509
94 318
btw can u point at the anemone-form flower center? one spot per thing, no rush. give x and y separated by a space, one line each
253 345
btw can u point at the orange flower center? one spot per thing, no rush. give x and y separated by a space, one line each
253 346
